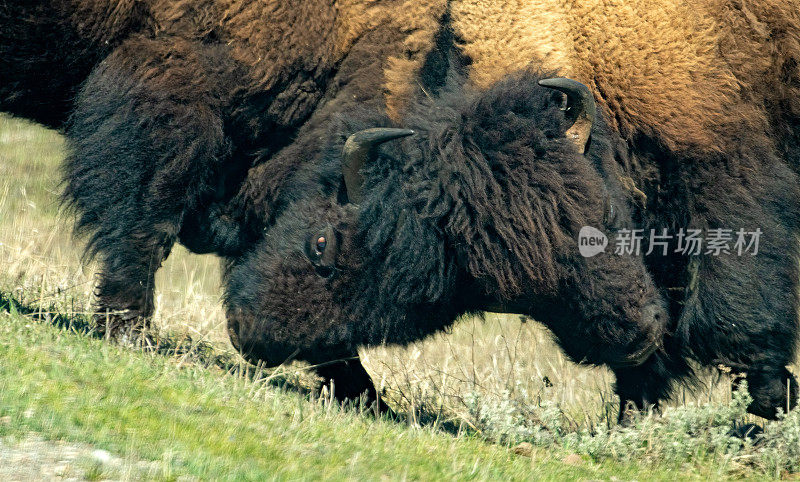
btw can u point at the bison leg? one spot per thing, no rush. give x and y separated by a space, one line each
126 283
350 382
144 139
741 310
642 388
740 304
771 388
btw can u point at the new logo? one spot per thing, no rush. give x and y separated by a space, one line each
591 241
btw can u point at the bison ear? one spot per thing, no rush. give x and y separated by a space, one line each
359 148
581 109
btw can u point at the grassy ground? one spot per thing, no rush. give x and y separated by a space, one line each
201 421
500 379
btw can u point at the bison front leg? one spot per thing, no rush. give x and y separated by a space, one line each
741 312
126 282
740 303
350 383
741 307
642 388
144 139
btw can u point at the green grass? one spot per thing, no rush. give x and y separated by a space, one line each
201 421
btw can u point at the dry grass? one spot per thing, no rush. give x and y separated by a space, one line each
501 357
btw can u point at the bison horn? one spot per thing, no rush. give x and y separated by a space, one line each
580 108
360 147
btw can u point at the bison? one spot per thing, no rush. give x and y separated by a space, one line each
371 171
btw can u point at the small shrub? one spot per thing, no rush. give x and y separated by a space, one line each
679 435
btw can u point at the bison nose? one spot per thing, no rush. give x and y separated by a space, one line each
653 325
254 337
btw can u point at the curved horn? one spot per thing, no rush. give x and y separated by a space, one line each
357 149
580 108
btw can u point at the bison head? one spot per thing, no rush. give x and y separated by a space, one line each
478 210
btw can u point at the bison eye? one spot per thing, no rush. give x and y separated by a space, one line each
321 250
320 245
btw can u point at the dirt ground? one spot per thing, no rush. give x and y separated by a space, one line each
34 459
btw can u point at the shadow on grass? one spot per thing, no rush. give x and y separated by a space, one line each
171 345
202 353
78 323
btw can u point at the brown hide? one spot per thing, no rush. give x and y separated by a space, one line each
675 71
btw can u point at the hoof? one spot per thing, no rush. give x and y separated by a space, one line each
124 327
630 411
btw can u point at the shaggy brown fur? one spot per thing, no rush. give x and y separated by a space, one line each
675 71
704 95
289 47
718 63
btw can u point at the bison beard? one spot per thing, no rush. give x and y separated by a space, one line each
222 126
